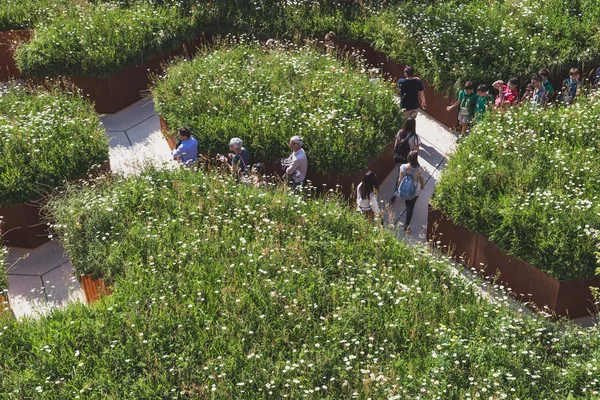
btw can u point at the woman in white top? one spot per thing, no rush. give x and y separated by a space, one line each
366 195
407 169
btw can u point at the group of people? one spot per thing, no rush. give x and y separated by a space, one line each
238 160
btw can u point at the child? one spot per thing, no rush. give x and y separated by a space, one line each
509 96
539 96
483 100
528 93
373 72
571 86
544 74
466 99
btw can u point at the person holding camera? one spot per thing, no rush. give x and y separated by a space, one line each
296 165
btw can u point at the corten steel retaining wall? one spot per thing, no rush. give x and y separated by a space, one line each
23 225
8 40
112 94
571 298
436 102
345 183
94 288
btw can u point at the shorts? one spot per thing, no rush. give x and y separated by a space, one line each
465 119
411 113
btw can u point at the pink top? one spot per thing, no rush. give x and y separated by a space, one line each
507 96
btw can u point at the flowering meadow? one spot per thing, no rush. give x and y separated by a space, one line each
46 137
530 181
451 42
265 96
227 291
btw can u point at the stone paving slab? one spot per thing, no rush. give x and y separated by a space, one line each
36 262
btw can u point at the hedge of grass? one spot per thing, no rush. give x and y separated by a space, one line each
265 97
225 291
25 14
530 181
451 42
46 137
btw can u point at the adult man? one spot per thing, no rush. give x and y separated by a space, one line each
296 164
240 157
411 93
540 96
187 150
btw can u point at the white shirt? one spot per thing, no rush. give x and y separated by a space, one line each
298 166
366 204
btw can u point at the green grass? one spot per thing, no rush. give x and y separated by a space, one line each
46 137
225 291
266 97
529 180
452 42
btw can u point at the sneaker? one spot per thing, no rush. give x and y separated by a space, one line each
393 199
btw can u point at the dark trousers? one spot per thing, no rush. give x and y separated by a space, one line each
410 207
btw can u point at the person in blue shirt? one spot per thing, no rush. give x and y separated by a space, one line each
187 150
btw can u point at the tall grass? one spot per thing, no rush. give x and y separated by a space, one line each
266 96
225 291
528 179
46 137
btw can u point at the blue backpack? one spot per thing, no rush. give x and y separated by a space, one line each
408 186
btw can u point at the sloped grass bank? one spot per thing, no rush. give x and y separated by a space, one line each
225 291
529 180
265 96
46 137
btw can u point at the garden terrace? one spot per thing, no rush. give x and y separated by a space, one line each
226 291
529 180
265 96
452 42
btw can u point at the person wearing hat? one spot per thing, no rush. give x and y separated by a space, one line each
296 164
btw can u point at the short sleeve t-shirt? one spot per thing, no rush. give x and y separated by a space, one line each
417 176
413 142
467 103
409 93
242 159
549 88
481 103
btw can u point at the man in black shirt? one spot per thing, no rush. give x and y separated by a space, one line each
411 93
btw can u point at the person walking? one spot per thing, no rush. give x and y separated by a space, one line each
410 184
406 141
411 93
366 196
296 164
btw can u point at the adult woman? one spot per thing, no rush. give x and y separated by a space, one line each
366 196
406 141
412 168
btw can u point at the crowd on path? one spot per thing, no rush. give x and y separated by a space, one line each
472 103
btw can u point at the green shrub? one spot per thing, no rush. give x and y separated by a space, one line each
266 97
102 39
46 137
225 291
25 14
528 179
452 42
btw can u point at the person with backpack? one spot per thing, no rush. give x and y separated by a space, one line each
186 148
410 184
406 141
366 196
466 100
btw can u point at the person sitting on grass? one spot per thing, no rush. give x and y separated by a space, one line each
550 92
571 86
366 196
539 96
186 152
466 100
482 102
509 95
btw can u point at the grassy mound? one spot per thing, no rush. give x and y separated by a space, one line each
529 180
46 137
452 42
267 96
225 291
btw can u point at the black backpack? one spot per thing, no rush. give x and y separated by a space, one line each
402 149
